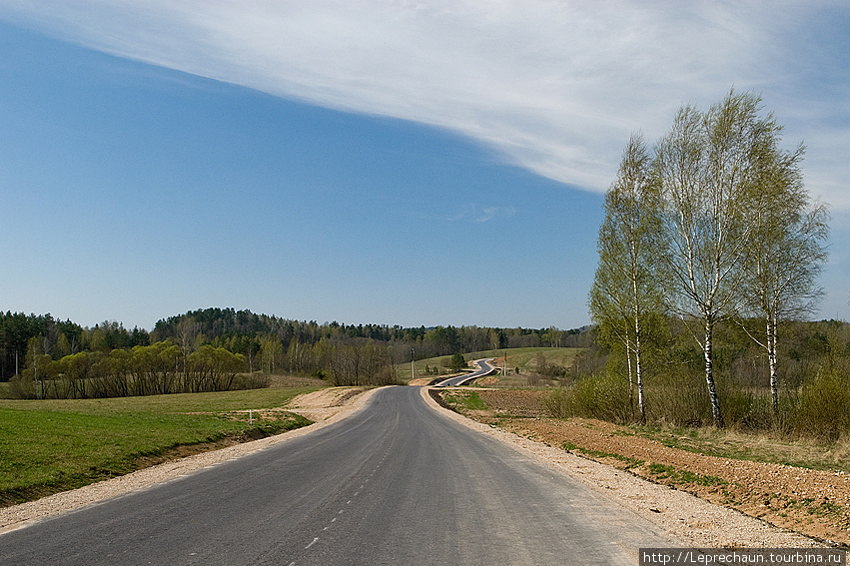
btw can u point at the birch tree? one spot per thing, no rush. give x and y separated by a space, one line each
624 288
707 169
786 254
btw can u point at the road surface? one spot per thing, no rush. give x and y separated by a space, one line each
396 483
483 368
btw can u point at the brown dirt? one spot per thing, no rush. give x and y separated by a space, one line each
811 502
323 404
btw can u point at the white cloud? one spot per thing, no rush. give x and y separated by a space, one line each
554 86
480 214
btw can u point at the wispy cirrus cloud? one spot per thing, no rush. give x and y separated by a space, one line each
552 86
480 214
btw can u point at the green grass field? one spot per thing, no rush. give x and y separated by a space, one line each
55 445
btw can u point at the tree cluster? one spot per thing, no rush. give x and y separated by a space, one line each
714 225
814 389
58 338
159 368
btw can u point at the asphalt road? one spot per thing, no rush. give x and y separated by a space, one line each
483 367
396 483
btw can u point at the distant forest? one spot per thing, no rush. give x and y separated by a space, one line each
268 343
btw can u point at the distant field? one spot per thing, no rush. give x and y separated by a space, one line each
523 358
54 445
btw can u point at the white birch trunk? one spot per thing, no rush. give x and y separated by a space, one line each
709 375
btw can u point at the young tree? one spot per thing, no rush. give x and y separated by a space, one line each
708 170
624 287
457 362
271 351
786 255
188 331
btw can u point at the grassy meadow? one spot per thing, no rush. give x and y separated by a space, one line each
49 446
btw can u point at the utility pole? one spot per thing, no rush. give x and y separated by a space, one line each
412 365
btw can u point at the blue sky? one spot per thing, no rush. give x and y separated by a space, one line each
386 162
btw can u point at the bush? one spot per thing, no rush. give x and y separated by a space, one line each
559 403
823 409
604 397
678 397
251 381
22 388
747 410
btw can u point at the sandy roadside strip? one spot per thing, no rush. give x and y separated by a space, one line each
326 407
693 521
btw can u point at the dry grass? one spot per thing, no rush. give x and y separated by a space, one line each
757 447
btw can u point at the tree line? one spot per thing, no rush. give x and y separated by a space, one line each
243 331
156 369
61 358
19 333
712 227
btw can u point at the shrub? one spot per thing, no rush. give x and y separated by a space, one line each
251 381
677 396
604 397
823 409
747 410
558 403
22 388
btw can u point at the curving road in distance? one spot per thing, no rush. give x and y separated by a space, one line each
395 483
483 368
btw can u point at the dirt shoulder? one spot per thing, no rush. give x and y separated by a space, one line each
324 407
813 503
